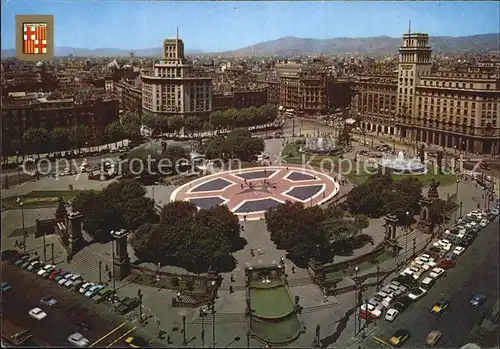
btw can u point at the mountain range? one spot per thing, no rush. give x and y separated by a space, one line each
290 45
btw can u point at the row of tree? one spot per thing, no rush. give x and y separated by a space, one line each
228 119
306 232
238 144
41 140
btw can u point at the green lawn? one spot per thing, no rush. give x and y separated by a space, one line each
282 332
272 303
39 197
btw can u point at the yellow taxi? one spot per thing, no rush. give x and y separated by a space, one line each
399 338
433 338
136 342
439 307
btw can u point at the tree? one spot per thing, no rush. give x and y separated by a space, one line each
61 139
37 140
421 154
115 132
175 158
361 222
80 135
190 238
345 135
131 126
439 210
297 229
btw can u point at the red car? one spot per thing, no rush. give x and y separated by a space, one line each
54 273
446 264
367 316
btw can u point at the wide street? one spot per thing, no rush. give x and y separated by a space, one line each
107 329
476 272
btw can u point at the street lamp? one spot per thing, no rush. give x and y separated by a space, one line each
139 295
456 198
202 315
21 204
248 338
184 342
356 269
407 215
235 339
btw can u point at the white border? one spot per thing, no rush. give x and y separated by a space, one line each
190 191
323 187
224 200
235 208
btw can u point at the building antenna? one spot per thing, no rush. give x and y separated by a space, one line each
409 27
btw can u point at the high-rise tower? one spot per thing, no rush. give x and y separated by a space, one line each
414 62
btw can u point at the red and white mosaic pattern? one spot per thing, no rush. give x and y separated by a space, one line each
250 192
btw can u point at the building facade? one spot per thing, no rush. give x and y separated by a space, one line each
129 96
171 87
455 109
239 99
24 112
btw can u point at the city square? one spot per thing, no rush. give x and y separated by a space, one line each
199 187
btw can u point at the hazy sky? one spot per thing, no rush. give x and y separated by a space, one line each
217 26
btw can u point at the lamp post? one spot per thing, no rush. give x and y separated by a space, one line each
461 205
407 215
456 195
52 250
248 338
317 336
235 339
356 269
202 335
19 168
100 271
113 266
184 342
21 204
139 295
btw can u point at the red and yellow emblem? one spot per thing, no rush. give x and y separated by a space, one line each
34 38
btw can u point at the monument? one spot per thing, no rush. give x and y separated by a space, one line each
320 145
121 260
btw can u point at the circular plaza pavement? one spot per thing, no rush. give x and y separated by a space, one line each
250 192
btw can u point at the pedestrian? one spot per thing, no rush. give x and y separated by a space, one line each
16 243
241 186
259 251
325 300
245 217
293 269
230 289
231 277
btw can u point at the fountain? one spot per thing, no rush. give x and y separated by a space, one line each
319 145
401 165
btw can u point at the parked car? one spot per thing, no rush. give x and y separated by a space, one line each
478 300
77 284
61 275
92 291
417 293
34 266
102 294
45 270
484 223
71 280
446 264
436 273
85 287
458 250
48 301
391 314
54 273
9 255
37 314
64 279
21 259
427 282
127 304
371 309
78 340
397 284
443 244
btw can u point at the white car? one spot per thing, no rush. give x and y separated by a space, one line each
420 264
34 265
37 314
375 311
414 272
436 273
45 270
65 278
70 281
484 223
428 282
458 250
92 290
78 340
443 244
417 293
494 212
391 314
85 287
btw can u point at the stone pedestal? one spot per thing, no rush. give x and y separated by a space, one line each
74 228
121 260
425 224
390 238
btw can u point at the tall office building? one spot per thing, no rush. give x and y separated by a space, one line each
172 88
457 108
